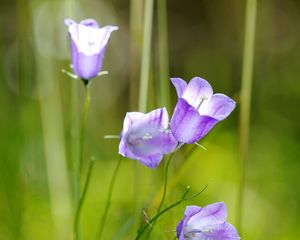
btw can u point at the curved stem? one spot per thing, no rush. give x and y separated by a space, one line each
82 198
183 199
166 181
165 189
108 201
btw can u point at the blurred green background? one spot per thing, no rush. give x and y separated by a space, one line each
40 113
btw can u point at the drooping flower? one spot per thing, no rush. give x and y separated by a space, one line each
146 137
207 223
198 110
88 44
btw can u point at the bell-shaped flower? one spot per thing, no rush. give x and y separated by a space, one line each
207 223
88 44
198 110
146 137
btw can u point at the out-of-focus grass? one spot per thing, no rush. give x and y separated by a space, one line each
205 39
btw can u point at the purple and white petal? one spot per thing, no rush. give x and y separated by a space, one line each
152 161
207 223
130 118
145 137
69 22
197 91
86 67
88 44
191 211
223 231
188 213
90 23
213 214
90 40
159 117
219 106
180 85
179 230
187 125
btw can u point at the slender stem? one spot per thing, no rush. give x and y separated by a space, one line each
82 130
164 190
108 201
246 101
146 56
163 56
166 181
81 201
183 199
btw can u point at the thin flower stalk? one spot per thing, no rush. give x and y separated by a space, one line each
108 201
81 201
164 190
83 128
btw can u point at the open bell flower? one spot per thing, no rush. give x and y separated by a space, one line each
198 110
88 44
207 223
146 138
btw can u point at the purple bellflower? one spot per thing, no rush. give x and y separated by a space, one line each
146 137
207 223
198 110
88 44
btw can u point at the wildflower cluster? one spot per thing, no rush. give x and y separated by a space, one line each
147 137
197 111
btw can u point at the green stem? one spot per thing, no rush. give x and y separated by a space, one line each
166 181
183 199
164 191
163 57
146 56
82 130
81 201
108 201
246 101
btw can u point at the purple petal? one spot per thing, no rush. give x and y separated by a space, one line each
69 22
130 118
90 40
180 85
223 231
152 161
219 106
191 211
145 138
212 214
158 116
187 125
188 213
179 229
86 67
197 91
90 23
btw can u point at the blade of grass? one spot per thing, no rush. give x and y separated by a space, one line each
146 56
246 102
163 57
